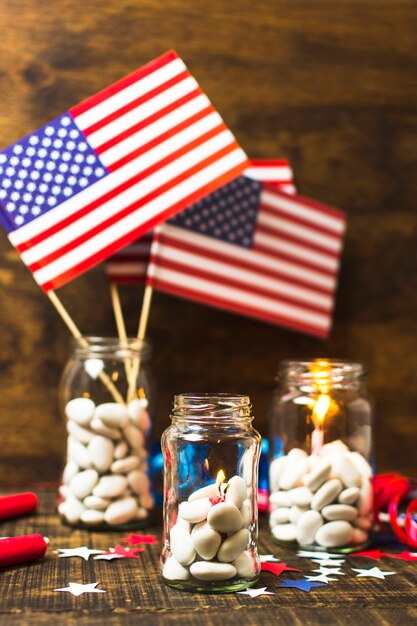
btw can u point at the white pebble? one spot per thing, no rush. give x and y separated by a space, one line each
173 570
182 522
96 503
318 475
70 470
81 434
121 450
344 469
64 491
280 516
366 496
137 412
80 410
334 447
121 511
280 498
146 501
326 494
209 570
349 496
237 491
181 545
139 482
112 414
101 451
110 486
134 436
233 546
358 536
296 454
295 513
78 453
307 526
73 509
82 484
92 516
101 429
195 511
123 466
301 496
245 511
293 474
206 541
209 491
334 534
246 565
339 511
276 469
285 532
142 513
361 464
224 517
364 522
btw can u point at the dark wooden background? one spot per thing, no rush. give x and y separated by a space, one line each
330 85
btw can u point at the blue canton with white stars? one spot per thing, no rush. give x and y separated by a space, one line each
229 214
44 169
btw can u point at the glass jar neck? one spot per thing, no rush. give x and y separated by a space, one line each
217 409
321 372
110 347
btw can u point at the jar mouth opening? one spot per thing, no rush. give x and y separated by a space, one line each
206 406
110 346
314 370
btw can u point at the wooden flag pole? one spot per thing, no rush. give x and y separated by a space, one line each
120 324
67 319
143 323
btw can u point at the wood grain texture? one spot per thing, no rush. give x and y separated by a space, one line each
135 593
331 86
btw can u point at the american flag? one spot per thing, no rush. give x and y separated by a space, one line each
250 249
112 168
130 264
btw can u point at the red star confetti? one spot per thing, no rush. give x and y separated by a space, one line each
132 539
127 553
404 556
77 589
254 593
277 568
373 572
370 554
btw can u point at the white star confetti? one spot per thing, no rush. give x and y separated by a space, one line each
321 578
108 557
331 562
335 571
268 558
254 593
373 572
82 552
77 589
317 555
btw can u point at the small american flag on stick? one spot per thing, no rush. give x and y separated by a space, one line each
250 249
112 168
130 265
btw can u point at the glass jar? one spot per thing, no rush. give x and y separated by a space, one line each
320 474
211 456
105 395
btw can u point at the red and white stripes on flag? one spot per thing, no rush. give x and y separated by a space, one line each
162 146
129 265
288 277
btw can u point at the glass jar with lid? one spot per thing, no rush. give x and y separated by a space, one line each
211 455
106 397
321 442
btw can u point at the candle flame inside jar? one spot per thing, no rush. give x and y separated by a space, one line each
220 482
320 370
320 409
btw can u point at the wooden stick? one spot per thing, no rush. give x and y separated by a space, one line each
120 324
143 323
82 341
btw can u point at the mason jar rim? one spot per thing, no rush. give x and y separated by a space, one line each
111 346
209 406
307 370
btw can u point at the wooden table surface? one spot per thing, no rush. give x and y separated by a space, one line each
135 593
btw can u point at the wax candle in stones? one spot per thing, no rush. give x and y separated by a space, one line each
105 482
321 454
211 455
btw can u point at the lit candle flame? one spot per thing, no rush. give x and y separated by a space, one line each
221 477
320 409
141 393
206 464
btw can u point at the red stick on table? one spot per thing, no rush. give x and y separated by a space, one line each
17 504
14 550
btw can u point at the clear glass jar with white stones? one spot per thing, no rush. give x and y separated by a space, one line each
211 456
321 441
106 397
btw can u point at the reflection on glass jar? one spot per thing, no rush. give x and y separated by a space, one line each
321 456
105 395
211 455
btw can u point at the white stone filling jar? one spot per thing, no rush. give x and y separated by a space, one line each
106 398
211 456
321 443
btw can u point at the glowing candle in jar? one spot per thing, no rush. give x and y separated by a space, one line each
321 407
